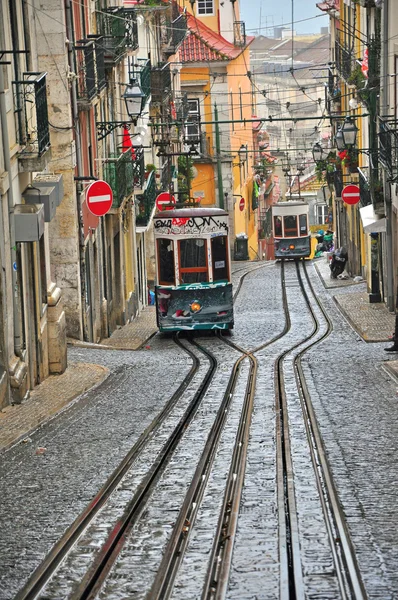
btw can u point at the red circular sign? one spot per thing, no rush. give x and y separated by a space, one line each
242 204
99 197
164 200
351 194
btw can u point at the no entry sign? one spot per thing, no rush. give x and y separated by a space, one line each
99 197
351 194
241 204
164 200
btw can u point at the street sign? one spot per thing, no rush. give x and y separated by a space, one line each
99 197
164 201
351 194
242 204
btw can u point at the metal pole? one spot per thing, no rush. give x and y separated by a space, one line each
218 151
10 195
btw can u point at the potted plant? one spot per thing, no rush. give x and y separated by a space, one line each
148 169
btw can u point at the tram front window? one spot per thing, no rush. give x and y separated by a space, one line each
166 262
219 256
290 224
303 225
278 226
193 261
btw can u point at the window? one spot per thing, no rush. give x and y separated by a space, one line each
303 225
192 126
278 226
321 214
205 7
193 260
166 262
290 225
219 258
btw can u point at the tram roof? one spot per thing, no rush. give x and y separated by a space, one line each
190 212
290 203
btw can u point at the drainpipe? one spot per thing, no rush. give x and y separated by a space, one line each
79 162
10 196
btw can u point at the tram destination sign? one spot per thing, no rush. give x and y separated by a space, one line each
215 225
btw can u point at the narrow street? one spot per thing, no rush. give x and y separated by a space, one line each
256 465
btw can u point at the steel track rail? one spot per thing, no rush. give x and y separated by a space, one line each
95 577
48 567
174 552
346 565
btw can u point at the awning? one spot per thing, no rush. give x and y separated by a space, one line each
371 222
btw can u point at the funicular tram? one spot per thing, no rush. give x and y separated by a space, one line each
194 289
291 232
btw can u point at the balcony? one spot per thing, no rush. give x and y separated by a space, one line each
145 202
175 31
160 82
118 27
388 147
141 71
124 173
364 186
91 70
33 126
344 60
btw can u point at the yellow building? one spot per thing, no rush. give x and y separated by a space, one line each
216 79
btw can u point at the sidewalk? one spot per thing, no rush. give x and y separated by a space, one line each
57 391
373 322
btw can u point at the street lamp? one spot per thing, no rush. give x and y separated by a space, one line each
317 152
135 99
242 153
349 131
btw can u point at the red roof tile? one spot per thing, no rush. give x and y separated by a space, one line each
204 44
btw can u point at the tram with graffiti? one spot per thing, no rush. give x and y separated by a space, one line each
193 288
290 227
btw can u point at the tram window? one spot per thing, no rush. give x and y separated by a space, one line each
219 258
303 225
290 224
166 262
193 260
278 226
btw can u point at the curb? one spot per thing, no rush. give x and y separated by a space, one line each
354 326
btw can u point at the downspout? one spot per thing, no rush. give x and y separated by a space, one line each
79 163
10 196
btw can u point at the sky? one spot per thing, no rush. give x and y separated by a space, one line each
278 12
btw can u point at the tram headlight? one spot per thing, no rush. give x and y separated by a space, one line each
195 307
291 247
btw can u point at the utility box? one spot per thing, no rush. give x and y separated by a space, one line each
29 222
43 195
51 180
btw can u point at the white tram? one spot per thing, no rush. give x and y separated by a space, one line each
194 289
292 237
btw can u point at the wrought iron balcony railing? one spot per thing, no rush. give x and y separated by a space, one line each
118 27
99 61
160 82
85 67
145 202
124 173
364 186
388 147
175 31
32 111
344 60
239 33
141 71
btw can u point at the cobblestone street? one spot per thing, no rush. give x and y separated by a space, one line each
60 446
